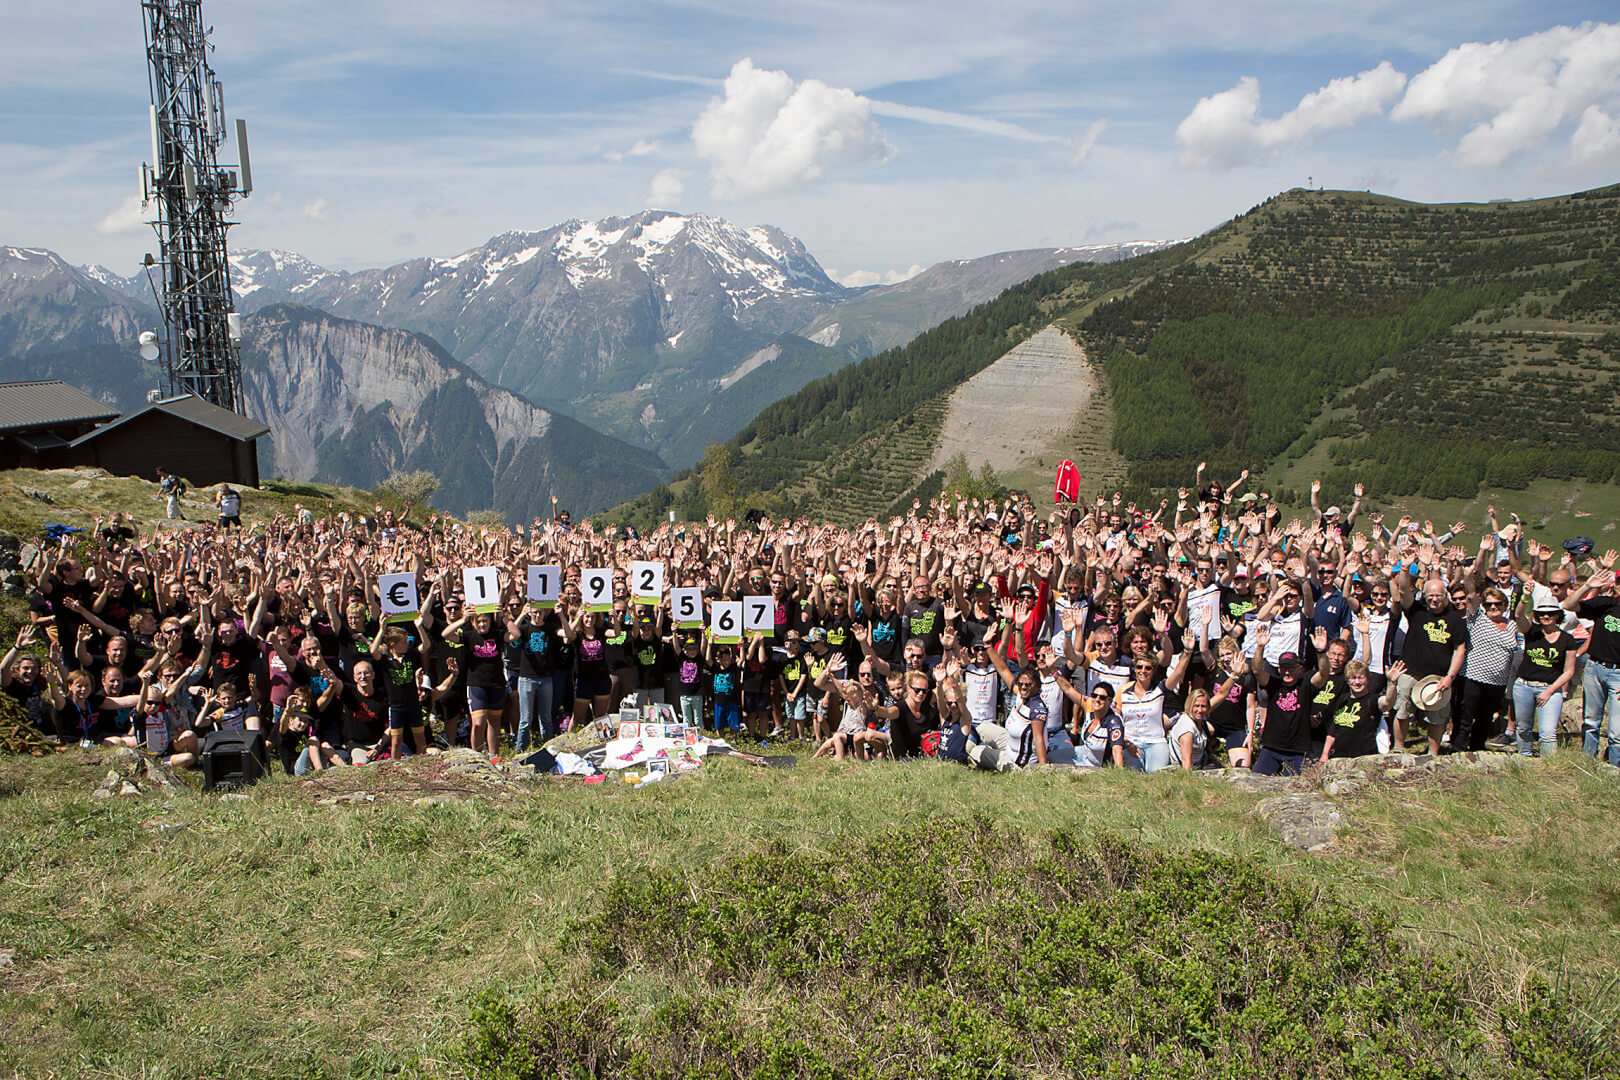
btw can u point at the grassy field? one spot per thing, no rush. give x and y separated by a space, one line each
281 937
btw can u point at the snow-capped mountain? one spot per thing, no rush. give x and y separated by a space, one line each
47 305
651 304
285 275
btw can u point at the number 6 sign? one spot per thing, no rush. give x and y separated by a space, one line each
687 606
646 582
597 587
725 622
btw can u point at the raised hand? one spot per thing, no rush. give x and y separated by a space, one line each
1319 638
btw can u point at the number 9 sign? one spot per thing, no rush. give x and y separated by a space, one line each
596 587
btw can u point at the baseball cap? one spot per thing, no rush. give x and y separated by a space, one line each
815 634
1287 658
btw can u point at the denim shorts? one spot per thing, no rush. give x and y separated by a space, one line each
486 698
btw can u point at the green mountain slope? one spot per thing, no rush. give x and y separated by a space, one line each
1433 348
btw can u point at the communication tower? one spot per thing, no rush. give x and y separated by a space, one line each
193 194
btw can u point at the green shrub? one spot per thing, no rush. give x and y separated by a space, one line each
964 950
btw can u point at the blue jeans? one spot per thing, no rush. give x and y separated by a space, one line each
534 710
1546 717
1601 687
692 710
727 717
1155 756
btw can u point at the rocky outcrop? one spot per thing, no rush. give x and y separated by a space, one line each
350 403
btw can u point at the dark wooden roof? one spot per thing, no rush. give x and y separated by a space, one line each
194 409
47 403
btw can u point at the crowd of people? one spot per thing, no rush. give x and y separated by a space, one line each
1213 629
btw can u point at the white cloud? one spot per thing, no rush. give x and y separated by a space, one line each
667 190
1081 146
857 279
769 134
1597 137
314 210
1226 129
641 148
1517 92
129 217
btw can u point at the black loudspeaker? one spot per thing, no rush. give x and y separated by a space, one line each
233 759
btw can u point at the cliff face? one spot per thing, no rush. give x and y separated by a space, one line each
350 403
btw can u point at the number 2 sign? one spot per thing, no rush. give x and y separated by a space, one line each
646 582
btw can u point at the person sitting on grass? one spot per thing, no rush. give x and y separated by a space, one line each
860 709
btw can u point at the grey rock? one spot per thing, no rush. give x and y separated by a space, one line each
1336 788
101 793
39 496
29 553
233 796
433 800
127 788
1304 820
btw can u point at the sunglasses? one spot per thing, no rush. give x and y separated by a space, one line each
1497 604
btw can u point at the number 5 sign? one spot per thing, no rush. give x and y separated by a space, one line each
482 586
647 582
725 622
545 586
596 585
687 606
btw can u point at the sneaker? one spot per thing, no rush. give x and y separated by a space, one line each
1505 739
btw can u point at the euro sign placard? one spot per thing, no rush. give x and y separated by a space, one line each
596 588
545 586
725 622
398 595
647 582
482 587
687 607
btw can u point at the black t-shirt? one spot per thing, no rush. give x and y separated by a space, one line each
1324 699
398 674
1604 611
482 660
31 696
647 654
726 684
888 636
233 663
1432 639
756 677
1544 660
592 658
691 673
925 620
1235 605
354 645
1288 717
537 645
365 718
911 725
1353 723
67 622
1230 713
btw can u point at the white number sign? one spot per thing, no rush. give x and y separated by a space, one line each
725 622
759 613
688 608
646 582
597 587
545 586
398 595
482 584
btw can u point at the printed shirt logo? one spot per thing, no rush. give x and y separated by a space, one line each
882 631
922 624
689 671
1288 702
1348 716
723 682
1438 632
485 649
1611 624
590 649
538 643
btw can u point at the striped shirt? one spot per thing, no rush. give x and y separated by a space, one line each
1490 650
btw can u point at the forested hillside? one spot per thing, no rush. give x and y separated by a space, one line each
1432 348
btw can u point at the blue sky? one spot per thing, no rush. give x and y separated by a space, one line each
885 135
